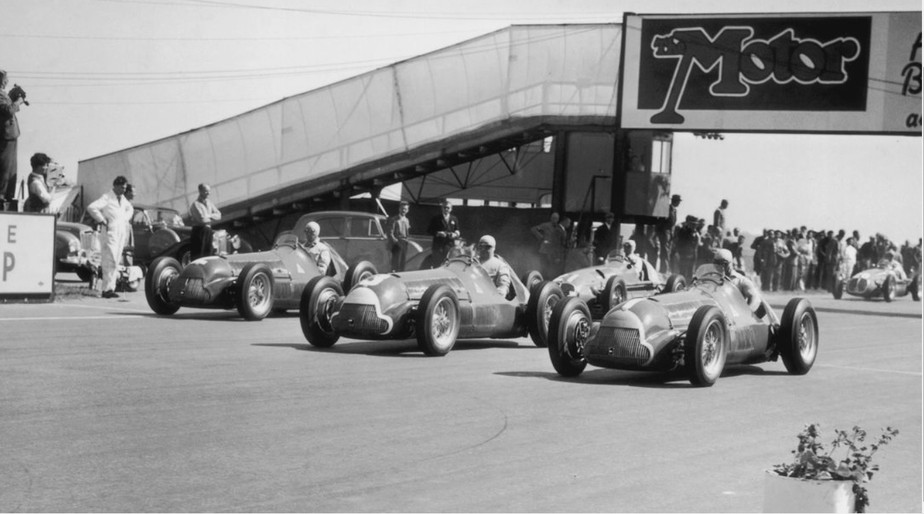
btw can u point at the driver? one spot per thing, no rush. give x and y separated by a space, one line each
317 250
890 264
723 260
628 249
497 269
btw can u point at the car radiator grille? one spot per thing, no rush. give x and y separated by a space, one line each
620 345
355 317
857 284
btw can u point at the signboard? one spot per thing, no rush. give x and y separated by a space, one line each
831 73
27 256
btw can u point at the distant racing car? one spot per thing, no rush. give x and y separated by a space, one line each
457 300
701 330
253 283
880 282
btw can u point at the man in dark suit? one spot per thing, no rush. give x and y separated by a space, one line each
9 133
444 228
603 238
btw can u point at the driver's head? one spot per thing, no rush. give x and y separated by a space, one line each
723 259
628 247
312 231
486 247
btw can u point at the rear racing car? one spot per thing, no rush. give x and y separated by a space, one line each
883 281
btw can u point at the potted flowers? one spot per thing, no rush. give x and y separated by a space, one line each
820 479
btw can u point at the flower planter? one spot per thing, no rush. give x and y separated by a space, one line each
786 494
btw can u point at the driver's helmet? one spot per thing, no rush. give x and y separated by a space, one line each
723 259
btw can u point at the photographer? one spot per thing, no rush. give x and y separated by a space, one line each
9 133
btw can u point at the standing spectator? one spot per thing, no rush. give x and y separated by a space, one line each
444 228
806 250
781 250
718 218
552 237
832 255
758 256
867 254
790 276
603 238
768 261
686 245
39 196
317 250
848 259
9 134
665 232
397 230
202 213
113 212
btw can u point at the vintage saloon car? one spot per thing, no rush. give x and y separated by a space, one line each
607 285
74 250
881 281
254 283
457 300
701 330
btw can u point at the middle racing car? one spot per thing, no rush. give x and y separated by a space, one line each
700 330
457 300
255 283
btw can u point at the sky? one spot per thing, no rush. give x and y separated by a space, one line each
104 75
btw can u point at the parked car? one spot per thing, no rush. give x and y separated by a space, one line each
879 282
253 283
359 236
76 250
700 330
607 285
457 300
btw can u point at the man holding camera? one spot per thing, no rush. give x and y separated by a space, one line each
9 133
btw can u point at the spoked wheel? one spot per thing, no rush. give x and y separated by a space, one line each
255 291
614 293
706 346
568 331
437 323
161 274
357 273
888 288
798 336
542 299
320 300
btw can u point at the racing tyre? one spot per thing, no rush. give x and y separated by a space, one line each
613 294
437 323
161 274
798 336
568 330
888 288
357 273
320 299
915 288
675 283
706 346
531 278
543 297
838 289
255 291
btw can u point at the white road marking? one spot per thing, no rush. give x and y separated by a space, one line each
106 307
875 370
60 318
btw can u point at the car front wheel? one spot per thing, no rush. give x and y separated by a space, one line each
888 288
437 323
543 297
706 346
161 274
568 330
320 299
798 336
613 294
357 273
255 291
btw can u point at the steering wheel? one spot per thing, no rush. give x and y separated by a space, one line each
468 260
710 276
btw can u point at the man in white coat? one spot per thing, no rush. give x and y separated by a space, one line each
113 212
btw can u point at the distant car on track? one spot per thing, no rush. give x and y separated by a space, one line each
701 330
879 282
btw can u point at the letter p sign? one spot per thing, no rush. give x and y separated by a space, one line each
9 262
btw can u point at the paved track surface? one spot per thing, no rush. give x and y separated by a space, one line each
106 407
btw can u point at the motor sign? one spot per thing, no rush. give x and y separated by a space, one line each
27 249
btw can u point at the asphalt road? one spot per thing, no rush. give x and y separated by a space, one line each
107 407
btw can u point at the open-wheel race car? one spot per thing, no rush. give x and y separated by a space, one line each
253 283
457 300
700 330
880 282
605 286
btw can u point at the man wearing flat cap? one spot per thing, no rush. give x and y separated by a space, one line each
9 133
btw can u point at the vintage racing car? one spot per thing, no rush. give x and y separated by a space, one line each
457 300
881 281
254 283
701 330
607 285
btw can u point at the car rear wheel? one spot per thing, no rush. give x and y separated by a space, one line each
320 299
531 278
706 346
888 288
437 323
798 336
838 289
255 291
613 294
161 274
357 273
543 297
675 283
568 330
915 288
